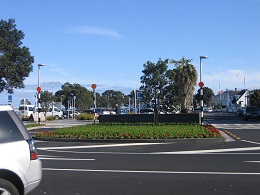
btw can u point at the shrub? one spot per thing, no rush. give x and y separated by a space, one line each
50 118
85 117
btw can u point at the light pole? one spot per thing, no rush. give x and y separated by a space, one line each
201 87
52 94
39 93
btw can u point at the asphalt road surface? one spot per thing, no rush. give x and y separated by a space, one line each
174 167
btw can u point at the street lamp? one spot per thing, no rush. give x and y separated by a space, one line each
52 94
201 87
39 95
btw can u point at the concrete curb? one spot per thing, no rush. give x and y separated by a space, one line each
132 140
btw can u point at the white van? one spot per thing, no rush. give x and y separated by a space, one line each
25 111
30 113
54 111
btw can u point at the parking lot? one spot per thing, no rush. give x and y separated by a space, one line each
179 166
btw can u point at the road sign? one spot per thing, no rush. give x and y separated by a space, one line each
10 97
201 84
139 96
38 89
93 86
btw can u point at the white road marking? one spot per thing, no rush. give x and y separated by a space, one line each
253 161
153 172
97 146
250 142
44 158
210 151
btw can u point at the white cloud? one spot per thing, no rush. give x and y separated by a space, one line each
232 79
93 30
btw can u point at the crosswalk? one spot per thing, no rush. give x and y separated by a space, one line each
237 126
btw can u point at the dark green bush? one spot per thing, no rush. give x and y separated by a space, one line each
50 118
85 117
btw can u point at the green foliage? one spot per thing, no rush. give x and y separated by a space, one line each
184 82
85 117
255 98
25 101
50 118
15 59
84 98
46 99
33 125
207 95
112 98
153 84
99 131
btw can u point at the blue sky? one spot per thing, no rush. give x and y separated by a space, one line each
107 42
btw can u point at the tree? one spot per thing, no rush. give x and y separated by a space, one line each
113 97
46 99
154 81
84 98
15 59
207 95
25 101
255 98
185 81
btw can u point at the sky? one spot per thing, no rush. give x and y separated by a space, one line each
106 42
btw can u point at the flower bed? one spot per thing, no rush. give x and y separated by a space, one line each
133 132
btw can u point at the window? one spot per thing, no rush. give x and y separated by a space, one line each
8 129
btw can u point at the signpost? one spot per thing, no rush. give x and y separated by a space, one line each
10 97
38 89
94 86
201 85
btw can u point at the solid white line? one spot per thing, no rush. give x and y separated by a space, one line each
210 151
98 146
153 172
64 159
145 153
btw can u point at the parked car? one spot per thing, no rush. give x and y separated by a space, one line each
197 110
240 111
20 168
146 111
54 111
251 112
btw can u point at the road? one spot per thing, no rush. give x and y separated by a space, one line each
175 167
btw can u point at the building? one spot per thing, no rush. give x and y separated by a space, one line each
231 100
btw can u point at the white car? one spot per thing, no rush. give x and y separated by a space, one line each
20 168
54 111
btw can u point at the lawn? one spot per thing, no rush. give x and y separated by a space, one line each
131 131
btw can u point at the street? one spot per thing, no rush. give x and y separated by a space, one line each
174 167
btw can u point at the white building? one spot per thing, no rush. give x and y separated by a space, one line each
231 100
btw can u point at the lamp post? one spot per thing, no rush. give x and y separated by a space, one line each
201 87
52 94
39 94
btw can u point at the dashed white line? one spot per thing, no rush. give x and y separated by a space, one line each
250 142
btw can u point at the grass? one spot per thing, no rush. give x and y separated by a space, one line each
141 131
32 125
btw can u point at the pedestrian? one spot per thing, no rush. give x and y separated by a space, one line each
118 110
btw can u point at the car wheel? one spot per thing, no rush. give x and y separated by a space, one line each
7 188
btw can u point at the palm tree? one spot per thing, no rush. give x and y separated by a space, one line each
185 80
